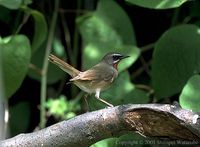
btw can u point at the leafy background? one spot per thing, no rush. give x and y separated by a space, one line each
162 38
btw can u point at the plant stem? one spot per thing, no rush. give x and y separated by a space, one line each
147 47
25 19
76 47
3 101
139 70
67 39
76 34
175 16
43 89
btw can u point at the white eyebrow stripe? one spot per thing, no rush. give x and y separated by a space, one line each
117 54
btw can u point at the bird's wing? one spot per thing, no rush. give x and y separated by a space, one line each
95 74
109 76
87 75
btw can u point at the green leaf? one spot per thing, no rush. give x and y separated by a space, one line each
105 143
117 20
19 118
194 9
58 106
27 2
190 96
136 96
132 139
40 32
54 73
5 16
69 115
127 140
107 31
11 4
14 4
175 59
16 54
158 4
62 108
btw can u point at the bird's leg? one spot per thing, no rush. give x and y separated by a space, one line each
103 101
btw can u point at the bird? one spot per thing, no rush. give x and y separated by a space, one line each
96 79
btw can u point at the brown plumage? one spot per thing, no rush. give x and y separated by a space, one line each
95 79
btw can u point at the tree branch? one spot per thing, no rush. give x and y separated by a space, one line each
150 120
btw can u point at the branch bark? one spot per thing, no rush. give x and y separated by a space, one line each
149 120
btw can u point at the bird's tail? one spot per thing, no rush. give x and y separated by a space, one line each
63 65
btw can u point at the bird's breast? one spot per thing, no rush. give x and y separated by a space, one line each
90 86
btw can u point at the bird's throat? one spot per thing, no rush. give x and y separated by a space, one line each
116 65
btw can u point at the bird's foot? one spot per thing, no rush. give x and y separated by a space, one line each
109 105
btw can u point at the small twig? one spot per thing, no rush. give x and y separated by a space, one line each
35 69
67 39
43 93
145 65
77 98
76 44
175 16
143 87
139 70
25 19
147 47
80 11
187 19
86 102
3 102
150 91
60 87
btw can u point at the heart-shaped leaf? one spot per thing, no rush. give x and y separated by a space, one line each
40 32
175 59
16 54
11 4
190 96
158 4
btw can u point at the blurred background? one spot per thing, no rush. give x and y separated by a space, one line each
162 38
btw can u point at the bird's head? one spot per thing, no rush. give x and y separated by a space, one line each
113 59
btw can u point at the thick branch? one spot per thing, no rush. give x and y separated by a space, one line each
152 120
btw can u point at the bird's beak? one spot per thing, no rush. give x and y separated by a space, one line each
123 57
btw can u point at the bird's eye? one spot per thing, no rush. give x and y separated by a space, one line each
115 58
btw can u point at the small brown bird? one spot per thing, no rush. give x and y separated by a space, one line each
95 79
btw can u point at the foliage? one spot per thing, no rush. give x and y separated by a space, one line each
124 140
158 4
176 59
54 74
16 54
189 98
107 31
61 108
166 71
19 112
40 26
